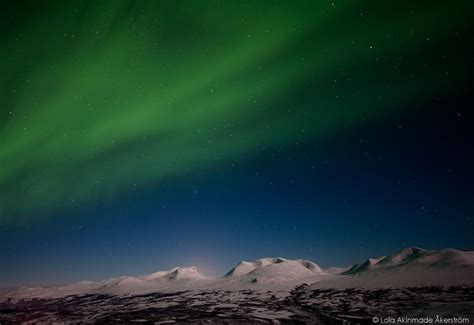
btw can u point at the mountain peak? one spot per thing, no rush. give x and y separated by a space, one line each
403 256
179 273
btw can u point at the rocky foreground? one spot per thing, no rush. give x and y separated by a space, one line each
302 306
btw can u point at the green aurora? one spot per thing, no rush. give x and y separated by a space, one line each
101 97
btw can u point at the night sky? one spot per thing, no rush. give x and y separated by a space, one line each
140 135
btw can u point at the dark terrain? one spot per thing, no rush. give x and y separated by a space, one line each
302 306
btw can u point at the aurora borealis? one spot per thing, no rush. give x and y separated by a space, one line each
213 128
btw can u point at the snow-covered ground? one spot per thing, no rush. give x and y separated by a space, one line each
268 289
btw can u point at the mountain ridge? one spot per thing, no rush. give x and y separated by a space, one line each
411 266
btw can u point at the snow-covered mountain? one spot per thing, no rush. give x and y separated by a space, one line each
417 257
270 273
178 278
177 273
408 267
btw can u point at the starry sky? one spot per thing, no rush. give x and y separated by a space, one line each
140 135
